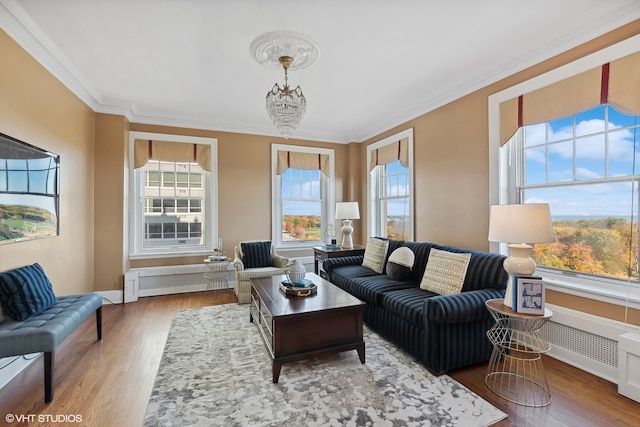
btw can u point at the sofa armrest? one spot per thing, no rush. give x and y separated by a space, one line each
331 263
465 307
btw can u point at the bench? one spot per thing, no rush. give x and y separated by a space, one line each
43 329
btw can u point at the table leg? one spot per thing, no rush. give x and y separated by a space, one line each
360 350
275 370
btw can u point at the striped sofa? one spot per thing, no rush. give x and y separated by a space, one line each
443 332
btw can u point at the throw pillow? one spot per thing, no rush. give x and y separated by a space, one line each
375 254
25 292
400 264
256 254
445 272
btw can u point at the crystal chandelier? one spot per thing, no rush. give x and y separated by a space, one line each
291 51
286 106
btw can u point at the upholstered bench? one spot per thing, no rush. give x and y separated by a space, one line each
44 331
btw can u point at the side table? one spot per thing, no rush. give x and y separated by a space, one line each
216 273
320 253
515 369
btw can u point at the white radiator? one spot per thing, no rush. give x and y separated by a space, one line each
585 341
151 281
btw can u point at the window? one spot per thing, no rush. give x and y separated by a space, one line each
584 167
173 196
303 201
390 187
172 213
506 174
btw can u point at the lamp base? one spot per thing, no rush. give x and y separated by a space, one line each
347 230
518 263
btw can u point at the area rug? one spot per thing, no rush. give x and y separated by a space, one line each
216 371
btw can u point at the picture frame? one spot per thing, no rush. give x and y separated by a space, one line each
530 295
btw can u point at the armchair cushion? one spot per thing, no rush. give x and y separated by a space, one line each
256 254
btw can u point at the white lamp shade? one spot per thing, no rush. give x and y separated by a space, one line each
347 210
528 223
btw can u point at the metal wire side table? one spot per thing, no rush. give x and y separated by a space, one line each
515 368
217 273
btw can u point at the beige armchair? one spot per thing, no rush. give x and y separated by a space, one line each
244 271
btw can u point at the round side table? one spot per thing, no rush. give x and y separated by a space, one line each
217 273
515 368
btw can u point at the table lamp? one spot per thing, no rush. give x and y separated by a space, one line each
346 211
519 226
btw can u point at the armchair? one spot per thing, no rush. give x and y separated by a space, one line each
255 258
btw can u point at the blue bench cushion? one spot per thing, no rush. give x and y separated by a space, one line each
48 329
25 292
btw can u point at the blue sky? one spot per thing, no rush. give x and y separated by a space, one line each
40 180
610 199
296 183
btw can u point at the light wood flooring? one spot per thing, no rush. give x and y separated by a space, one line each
108 383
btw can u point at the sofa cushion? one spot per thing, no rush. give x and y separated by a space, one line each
445 272
256 254
375 254
342 276
25 292
400 264
371 288
407 304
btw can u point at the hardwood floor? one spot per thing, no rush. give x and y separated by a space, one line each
108 383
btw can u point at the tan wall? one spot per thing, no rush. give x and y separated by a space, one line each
38 109
110 169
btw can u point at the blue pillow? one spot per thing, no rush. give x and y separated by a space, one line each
256 254
25 292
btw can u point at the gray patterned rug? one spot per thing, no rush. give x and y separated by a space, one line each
216 371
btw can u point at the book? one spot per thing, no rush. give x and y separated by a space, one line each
529 295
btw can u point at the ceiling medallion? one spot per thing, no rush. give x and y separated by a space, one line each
289 51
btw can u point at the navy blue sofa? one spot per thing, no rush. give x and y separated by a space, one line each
443 332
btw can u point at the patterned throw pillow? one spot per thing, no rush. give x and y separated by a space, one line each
445 272
25 292
375 254
256 254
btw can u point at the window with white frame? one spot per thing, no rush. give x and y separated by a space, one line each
303 195
174 197
575 149
390 187
584 167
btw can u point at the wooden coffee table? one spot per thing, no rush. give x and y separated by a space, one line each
295 328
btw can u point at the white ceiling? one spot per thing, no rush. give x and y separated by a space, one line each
187 62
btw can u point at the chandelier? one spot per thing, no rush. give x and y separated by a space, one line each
286 106
288 51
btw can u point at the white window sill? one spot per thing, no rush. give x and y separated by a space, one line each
618 293
156 255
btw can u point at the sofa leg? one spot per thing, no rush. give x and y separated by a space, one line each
99 322
48 376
